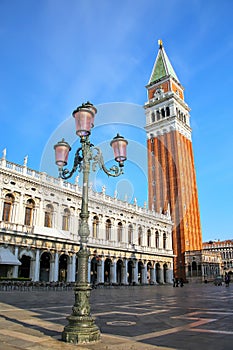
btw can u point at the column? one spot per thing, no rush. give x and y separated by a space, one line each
152 275
161 279
144 274
113 272
40 217
124 279
19 210
51 268
32 269
135 272
55 267
16 268
169 275
69 269
73 272
37 266
100 272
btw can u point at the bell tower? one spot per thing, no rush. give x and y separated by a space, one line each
171 170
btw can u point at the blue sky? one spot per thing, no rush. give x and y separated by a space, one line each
56 54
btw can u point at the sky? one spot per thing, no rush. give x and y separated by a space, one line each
57 54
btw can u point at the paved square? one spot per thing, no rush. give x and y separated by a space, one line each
189 318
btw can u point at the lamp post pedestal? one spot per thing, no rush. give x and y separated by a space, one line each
81 327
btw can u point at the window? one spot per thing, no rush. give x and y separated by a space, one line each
158 115
108 229
139 235
156 239
48 219
152 117
95 226
167 111
163 112
130 233
148 238
7 207
29 210
119 231
164 240
66 220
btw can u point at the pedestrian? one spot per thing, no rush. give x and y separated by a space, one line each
227 280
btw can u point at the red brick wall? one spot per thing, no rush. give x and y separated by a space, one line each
174 174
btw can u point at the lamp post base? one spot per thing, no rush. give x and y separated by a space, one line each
80 330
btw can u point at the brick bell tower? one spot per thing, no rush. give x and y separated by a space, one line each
171 170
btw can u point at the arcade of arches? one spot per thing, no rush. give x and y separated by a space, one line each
48 267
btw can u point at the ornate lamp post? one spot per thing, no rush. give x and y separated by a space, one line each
81 327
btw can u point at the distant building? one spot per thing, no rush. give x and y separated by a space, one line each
203 265
225 249
39 220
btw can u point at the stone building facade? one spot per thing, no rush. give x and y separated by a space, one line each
225 249
39 219
202 265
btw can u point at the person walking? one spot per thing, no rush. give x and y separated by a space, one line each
227 279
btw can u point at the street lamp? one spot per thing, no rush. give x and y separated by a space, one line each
81 327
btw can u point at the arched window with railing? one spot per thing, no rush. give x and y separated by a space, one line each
163 112
48 218
29 211
108 226
148 238
130 233
164 240
8 207
119 231
153 117
66 220
95 226
139 235
156 239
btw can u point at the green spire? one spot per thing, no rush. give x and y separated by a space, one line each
162 67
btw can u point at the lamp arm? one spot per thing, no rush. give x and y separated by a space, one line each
97 159
65 173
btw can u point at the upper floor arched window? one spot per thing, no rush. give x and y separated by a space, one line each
139 235
148 238
108 226
153 117
164 240
48 218
29 210
119 231
95 226
8 207
157 239
163 112
66 220
130 233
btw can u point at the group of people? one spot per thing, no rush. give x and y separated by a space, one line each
178 282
